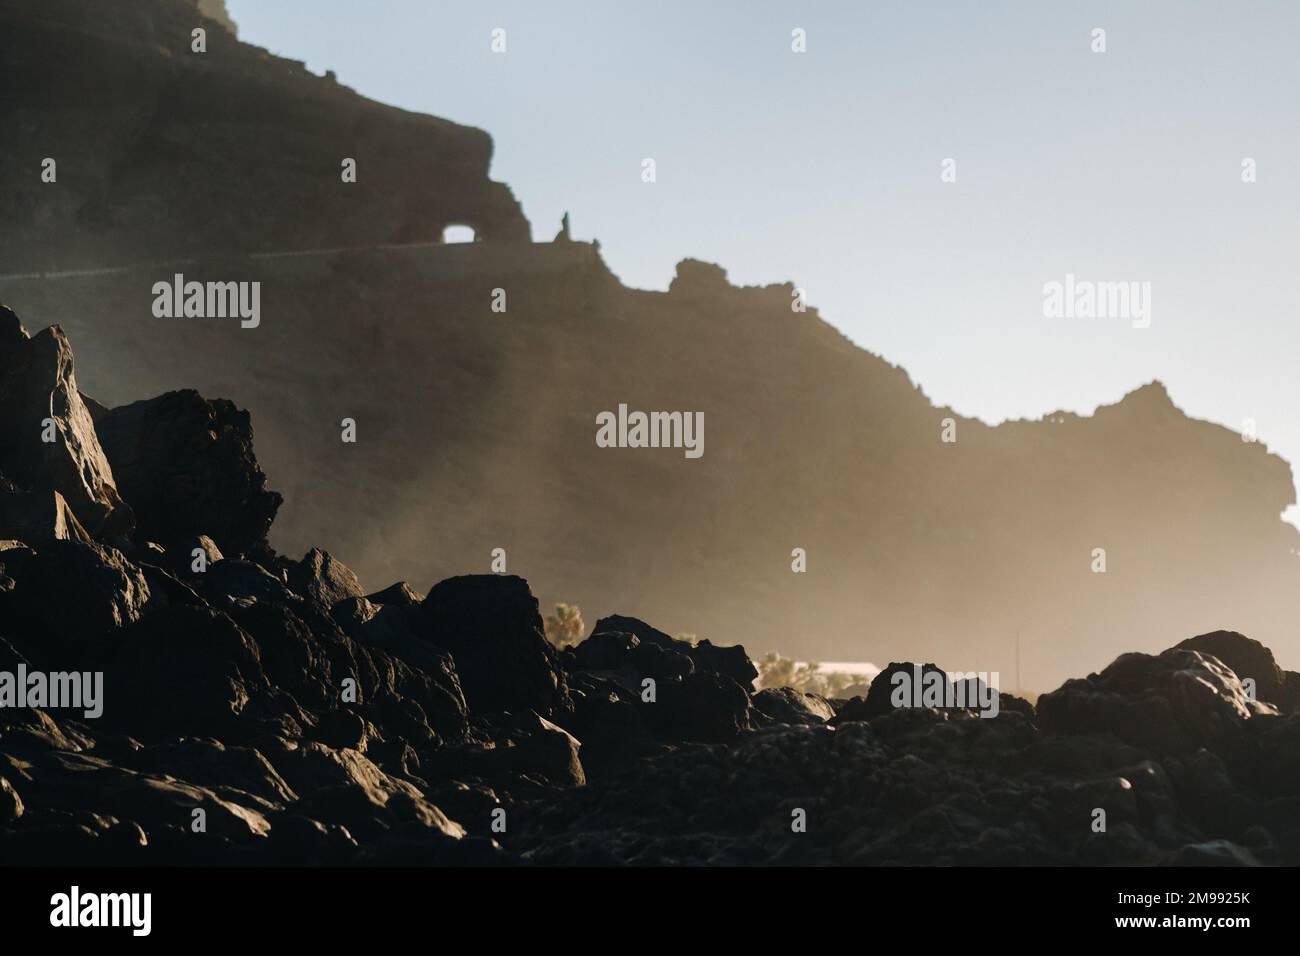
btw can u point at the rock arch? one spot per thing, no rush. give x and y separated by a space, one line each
459 232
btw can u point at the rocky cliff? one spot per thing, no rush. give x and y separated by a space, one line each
162 151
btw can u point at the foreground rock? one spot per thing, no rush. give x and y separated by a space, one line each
189 463
47 439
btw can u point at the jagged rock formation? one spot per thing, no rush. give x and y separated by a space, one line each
216 10
161 151
256 709
479 426
188 459
47 439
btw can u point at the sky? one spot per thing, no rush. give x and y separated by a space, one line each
823 168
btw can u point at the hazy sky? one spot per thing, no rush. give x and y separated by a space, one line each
823 168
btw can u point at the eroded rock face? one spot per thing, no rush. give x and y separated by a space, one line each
785 705
633 646
1171 703
323 579
1251 660
48 441
216 108
190 463
38 517
491 625
81 591
189 669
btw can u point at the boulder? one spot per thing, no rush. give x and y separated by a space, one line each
237 580
38 392
608 718
189 463
210 763
491 625
83 781
345 788
880 699
1250 659
542 747
730 661
704 707
183 556
630 625
187 670
785 705
637 650
80 592
1172 703
399 593
605 651
308 656
324 580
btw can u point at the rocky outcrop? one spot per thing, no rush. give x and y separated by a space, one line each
77 591
38 517
785 705
155 160
190 464
1253 662
260 710
48 441
1172 703
492 627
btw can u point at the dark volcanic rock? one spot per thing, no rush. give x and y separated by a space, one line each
605 651
701 707
236 580
189 463
1172 703
610 721
399 593
1250 659
314 725
188 670
37 517
308 656
491 626
11 805
79 591
731 661
880 699
80 782
630 625
638 650
785 705
526 745
38 392
324 580
192 555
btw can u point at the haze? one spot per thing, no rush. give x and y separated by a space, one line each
824 168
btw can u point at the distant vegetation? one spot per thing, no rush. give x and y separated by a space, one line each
564 628
808 677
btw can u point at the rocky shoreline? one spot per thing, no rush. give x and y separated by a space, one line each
256 709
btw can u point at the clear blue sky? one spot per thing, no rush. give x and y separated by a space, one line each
823 168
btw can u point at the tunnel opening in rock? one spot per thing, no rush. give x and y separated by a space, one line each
458 233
